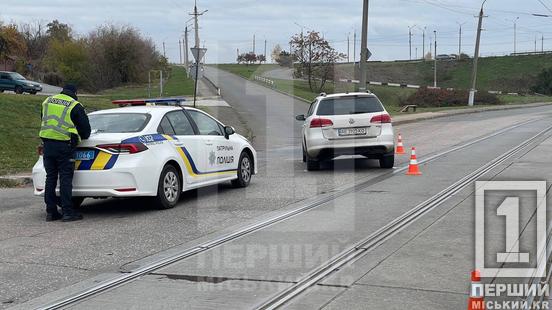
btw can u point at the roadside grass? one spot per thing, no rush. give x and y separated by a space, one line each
247 71
20 118
178 84
506 73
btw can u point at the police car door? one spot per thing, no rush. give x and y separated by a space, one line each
188 145
222 154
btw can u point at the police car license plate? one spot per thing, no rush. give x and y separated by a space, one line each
84 155
352 132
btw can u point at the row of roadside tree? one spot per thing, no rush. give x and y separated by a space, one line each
107 57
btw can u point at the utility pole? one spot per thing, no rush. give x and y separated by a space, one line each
348 47
164 51
471 98
423 43
254 40
354 47
542 44
410 40
265 52
515 34
364 47
180 49
196 15
430 45
237 54
460 40
535 44
186 61
435 61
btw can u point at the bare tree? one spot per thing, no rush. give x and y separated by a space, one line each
316 59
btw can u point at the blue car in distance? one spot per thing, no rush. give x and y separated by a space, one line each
13 81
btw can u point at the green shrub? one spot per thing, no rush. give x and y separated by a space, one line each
544 82
426 98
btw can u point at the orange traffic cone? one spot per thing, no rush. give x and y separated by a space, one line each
413 168
400 147
476 300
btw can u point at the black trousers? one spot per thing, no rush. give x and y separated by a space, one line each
58 161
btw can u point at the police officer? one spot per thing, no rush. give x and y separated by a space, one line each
64 124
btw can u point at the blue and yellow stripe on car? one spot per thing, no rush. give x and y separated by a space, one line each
102 161
192 169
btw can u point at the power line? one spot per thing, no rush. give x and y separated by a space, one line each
546 6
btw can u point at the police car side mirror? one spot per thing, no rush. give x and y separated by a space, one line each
300 118
228 131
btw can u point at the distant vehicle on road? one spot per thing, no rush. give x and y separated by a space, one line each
157 152
347 124
446 57
13 81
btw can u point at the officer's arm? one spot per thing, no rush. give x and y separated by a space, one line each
80 119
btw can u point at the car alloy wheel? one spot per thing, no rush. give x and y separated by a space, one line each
245 169
171 186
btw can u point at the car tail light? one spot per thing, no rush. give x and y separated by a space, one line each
321 122
40 150
127 148
382 118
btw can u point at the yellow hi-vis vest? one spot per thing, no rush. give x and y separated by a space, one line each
56 118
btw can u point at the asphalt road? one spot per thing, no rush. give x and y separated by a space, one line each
37 258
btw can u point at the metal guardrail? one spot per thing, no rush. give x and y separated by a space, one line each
265 80
403 85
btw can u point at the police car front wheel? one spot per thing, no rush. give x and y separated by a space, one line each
245 171
169 188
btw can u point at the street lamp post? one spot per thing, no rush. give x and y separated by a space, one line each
435 61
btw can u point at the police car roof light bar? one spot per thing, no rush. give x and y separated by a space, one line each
156 101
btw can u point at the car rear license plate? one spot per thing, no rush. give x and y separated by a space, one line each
352 132
84 155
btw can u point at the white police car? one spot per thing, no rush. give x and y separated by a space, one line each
155 151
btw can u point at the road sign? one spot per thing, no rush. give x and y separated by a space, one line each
368 54
198 53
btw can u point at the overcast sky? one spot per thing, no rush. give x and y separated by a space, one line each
230 24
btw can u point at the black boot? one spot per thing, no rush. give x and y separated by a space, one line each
72 218
50 217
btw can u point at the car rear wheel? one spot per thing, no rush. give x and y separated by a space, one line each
245 171
312 164
304 155
33 93
169 188
387 161
18 90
